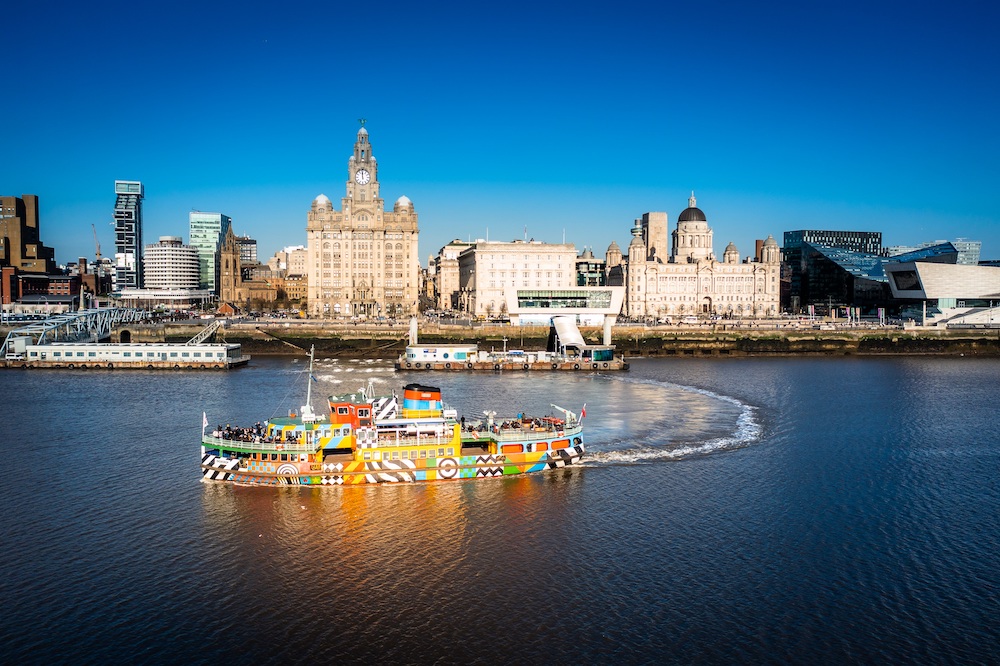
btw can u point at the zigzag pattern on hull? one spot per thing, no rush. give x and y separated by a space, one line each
219 469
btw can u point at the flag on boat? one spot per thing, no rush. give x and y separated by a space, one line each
204 420
583 412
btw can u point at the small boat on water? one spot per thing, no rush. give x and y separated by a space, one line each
375 439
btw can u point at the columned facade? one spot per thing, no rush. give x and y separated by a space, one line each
692 281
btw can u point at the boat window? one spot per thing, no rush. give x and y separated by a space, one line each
395 455
440 452
341 410
284 457
90 354
451 451
79 353
368 455
423 454
274 456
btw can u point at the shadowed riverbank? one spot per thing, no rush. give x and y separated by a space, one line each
768 339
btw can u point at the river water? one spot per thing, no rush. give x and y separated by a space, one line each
730 511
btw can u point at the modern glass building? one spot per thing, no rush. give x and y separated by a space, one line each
207 232
968 251
591 306
836 276
128 235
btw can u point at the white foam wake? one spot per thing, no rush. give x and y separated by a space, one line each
748 431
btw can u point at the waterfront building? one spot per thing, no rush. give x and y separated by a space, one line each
955 293
207 231
445 274
968 251
836 276
492 272
362 259
169 264
689 280
21 247
795 251
588 306
128 235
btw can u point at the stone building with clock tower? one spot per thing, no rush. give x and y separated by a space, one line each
362 260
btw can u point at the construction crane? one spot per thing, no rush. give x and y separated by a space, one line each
97 243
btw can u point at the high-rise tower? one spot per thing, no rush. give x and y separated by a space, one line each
128 235
207 233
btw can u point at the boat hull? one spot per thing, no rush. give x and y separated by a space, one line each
216 468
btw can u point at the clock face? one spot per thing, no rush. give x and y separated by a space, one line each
362 177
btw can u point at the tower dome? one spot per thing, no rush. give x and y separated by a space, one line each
692 213
403 203
321 200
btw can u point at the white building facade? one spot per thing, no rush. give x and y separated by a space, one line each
169 264
491 272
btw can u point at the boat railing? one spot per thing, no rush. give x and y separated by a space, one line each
243 445
520 434
400 439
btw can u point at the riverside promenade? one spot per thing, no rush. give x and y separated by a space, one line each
709 339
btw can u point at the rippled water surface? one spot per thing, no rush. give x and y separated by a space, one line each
735 511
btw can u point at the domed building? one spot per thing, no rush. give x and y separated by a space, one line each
362 260
690 280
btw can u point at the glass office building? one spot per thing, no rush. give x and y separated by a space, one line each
207 232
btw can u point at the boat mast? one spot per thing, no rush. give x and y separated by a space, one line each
307 410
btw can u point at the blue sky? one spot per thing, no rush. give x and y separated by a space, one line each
565 118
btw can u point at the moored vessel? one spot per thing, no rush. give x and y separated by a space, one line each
379 439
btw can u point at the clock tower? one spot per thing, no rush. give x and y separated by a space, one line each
362 170
363 261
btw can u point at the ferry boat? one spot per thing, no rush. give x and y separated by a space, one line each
375 439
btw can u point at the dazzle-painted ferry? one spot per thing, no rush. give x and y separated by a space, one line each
375 439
